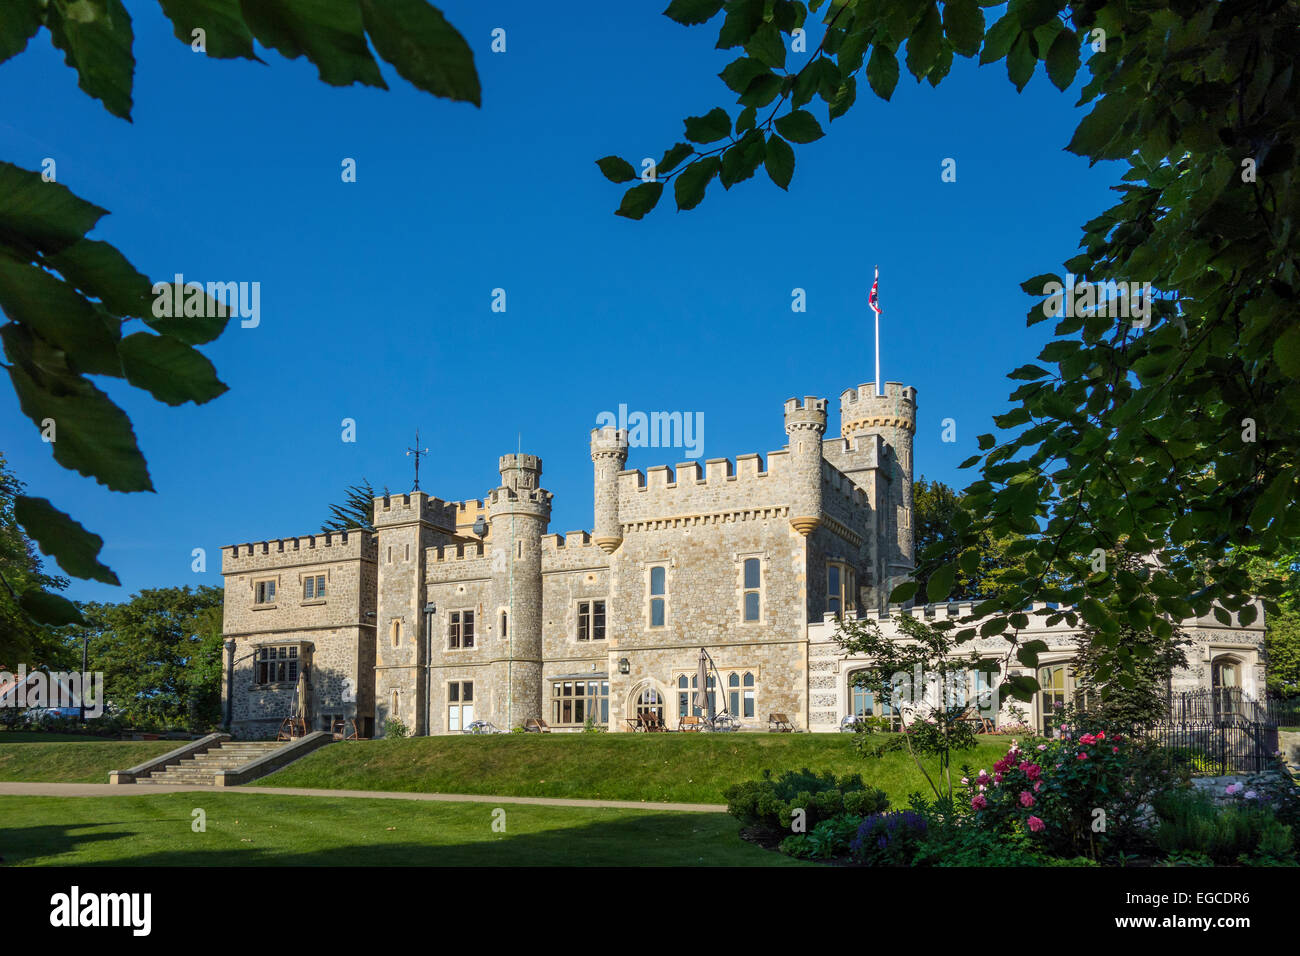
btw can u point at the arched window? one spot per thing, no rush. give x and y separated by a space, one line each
733 694
649 701
395 709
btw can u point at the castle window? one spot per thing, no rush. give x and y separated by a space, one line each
575 702
277 665
687 702
649 702
740 694
751 594
397 632
460 630
591 620
658 595
841 586
460 704
313 587
264 591
505 620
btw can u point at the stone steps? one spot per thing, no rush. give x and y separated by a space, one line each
201 768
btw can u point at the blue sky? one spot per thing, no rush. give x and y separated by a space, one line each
376 295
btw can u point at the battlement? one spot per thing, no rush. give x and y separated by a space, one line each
326 546
809 413
525 462
609 439
861 408
413 506
443 554
553 544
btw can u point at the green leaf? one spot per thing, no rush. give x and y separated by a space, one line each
1021 62
1063 59
779 161
169 370
95 37
743 18
1286 351
673 157
1034 13
19 22
709 128
330 33
40 216
963 22
190 329
225 34
63 539
740 161
93 436
99 271
616 170
690 183
690 12
741 72
923 45
45 608
52 309
639 200
844 99
1027 653
1096 131
1028 373
425 49
799 126
767 46
940 584
882 71
903 592
998 39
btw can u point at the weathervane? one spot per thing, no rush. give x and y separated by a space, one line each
417 453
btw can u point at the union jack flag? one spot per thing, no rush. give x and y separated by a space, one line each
873 299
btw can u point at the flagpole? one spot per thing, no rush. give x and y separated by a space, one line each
876 309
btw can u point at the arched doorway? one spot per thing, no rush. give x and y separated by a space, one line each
646 698
1053 697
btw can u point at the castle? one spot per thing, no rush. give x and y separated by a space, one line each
452 612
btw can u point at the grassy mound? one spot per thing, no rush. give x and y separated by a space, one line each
79 762
687 768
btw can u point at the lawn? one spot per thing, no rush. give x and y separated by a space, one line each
247 829
687 768
78 761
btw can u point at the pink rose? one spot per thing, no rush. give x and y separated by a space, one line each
1042 747
1082 756
1033 771
1038 786
1087 739
1114 750
978 802
1026 798
1035 824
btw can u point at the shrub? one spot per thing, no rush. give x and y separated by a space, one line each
1084 794
1191 822
889 839
395 728
770 803
829 839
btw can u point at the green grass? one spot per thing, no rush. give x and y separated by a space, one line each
687 768
75 762
273 830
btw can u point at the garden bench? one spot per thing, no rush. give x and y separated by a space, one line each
690 723
779 723
535 725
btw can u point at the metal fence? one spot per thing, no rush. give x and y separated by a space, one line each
1223 731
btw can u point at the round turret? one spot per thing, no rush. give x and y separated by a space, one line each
608 456
805 423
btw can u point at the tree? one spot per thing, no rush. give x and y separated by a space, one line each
160 653
71 301
23 582
1135 693
357 510
925 655
1172 431
986 564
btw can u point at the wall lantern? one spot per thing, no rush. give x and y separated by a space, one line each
624 665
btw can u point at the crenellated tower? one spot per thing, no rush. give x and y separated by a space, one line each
519 512
892 417
608 456
805 424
